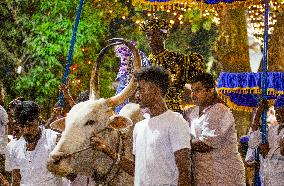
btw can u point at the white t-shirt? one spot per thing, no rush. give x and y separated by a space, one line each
155 140
3 130
33 164
8 154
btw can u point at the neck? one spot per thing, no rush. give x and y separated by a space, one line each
158 49
158 108
31 145
215 99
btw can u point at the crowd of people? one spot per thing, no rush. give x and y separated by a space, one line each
197 145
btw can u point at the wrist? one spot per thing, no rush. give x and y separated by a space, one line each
110 153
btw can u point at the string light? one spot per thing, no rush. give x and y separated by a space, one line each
256 18
84 49
89 62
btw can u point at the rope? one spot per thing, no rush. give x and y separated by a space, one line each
71 49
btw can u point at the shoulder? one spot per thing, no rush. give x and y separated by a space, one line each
3 115
175 117
140 124
50 133
17 145
219 107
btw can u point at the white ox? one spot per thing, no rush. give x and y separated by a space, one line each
73 153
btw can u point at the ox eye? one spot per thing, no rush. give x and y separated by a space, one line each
90 122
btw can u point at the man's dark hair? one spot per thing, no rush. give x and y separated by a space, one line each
83 96
26 111
206 80
157 75
14 102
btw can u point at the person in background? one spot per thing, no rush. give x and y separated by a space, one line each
29 154
271 150
182 67
253 158
14 130
3 138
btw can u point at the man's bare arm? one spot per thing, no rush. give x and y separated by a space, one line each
200 146
183 163
126 164
16 177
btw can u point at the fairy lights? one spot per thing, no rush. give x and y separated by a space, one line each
255 15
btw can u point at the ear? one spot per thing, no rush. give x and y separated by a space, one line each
119 122
58 125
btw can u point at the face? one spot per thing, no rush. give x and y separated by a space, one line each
279 114
186 96
30 131
155 39
146 93
200 95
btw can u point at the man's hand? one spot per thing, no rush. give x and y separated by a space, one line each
98 143
264 149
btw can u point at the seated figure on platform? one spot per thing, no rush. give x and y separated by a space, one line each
181 67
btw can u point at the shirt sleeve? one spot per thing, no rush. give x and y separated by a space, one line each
215 127
179 134
134 140
254 139
250 156
13 163
3 130
8 154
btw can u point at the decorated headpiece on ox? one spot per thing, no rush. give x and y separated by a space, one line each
73 153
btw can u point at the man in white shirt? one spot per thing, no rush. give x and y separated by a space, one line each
29 154
271 150
161 143
216 160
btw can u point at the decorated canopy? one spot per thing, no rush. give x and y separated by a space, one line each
241 91
172 4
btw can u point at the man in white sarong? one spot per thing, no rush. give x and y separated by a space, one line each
216 160
271 150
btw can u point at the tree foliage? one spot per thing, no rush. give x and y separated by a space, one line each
37 35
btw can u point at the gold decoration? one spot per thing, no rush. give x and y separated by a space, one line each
155 24
182 69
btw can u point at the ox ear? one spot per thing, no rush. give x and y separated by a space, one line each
58 125
119 122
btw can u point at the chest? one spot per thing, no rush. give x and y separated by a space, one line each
33 159
152 136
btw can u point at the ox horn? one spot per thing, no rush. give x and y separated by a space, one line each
131 87
94 82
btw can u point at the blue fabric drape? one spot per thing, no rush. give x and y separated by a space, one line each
244 89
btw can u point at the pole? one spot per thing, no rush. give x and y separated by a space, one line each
71 49
264 70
